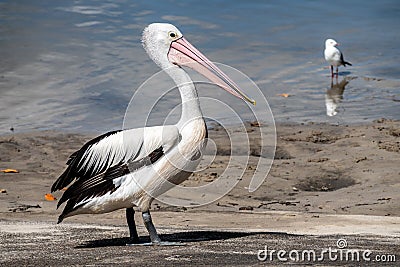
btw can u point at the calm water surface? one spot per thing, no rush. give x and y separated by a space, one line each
74 65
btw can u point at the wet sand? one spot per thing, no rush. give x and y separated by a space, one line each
326 182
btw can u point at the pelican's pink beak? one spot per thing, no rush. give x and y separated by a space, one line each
183 53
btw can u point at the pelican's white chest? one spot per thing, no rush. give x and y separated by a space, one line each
193 141
178 164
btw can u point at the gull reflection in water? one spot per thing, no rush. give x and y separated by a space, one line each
334 96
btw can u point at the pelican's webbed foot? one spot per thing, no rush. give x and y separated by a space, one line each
154 238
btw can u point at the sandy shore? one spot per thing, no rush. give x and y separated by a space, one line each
326 180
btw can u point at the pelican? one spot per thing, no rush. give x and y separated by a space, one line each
124 169
334 56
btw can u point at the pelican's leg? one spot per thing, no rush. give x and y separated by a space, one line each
130 219
148 222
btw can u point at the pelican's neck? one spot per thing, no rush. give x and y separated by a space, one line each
190 101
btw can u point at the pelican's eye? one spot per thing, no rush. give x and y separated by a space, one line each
172 35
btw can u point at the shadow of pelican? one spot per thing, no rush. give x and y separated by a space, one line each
182 237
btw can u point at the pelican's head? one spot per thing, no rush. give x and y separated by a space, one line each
157 39
330 42
168 48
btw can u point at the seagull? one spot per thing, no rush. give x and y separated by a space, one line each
129 168
333 56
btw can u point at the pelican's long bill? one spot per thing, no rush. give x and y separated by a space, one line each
183 53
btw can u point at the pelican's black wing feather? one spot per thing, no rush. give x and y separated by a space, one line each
73 170
103 183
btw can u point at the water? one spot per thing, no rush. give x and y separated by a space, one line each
74 65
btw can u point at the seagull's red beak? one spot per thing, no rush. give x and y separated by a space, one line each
183 53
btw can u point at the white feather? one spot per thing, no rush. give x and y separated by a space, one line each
128 145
